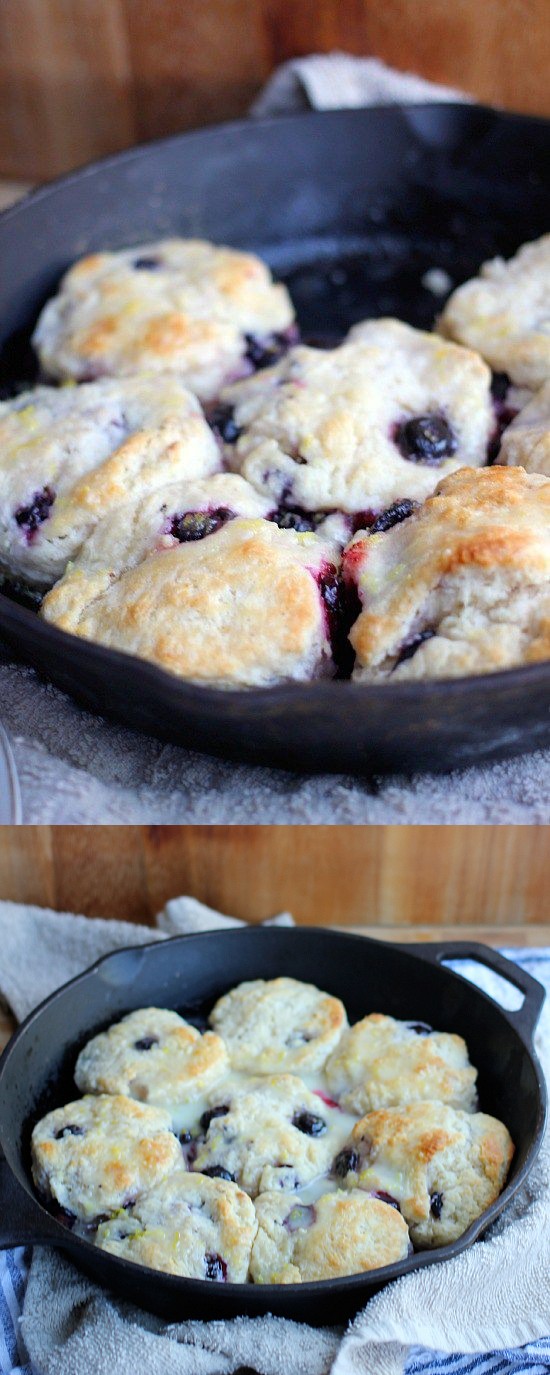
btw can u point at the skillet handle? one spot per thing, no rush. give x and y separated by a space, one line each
525 1018
22 1222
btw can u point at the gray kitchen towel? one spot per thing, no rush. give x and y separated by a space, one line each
492 1298
335 81
75 767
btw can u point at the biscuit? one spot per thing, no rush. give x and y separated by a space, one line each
462 586
505 314
383 1063
268 1133
187 1225
69 455
208 313
526 442
154 1056
363 426
341 1234
248 606
278 1025
441 1166
99 1154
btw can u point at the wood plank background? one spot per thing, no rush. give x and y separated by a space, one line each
394 877
82 78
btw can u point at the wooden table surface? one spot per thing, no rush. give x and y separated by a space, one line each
82 78
365 876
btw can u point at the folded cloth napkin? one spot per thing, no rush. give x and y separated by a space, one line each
336 81
76 767
492 1301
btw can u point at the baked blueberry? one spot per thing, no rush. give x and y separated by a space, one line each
263 352
195 525
213 1112
70 1130
436 1204
215 1268
427 439
147 263
346 1162
499 386
412 645
398 511
146 1043
302 1215
218 1172
31 516
309 1123
302 521
386 1198
222 422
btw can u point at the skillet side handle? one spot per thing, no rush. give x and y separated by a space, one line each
22 1223
525 1018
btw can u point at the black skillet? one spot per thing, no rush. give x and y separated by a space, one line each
350 208
189 973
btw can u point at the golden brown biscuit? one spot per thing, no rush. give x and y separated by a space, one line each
340 1234
154 1056
462 586
441 1166
277 1025
505 313
187 1225
269 1133
358 428
69 455
380 1063
243 607
204 311
526 442
99 1154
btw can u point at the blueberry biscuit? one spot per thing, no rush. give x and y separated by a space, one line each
505 314
154 1056
462 586
269 1133
441 1166
341 1234
251 605
278 1025
187 1225
362 427
99 1154
527 440
382 1063
179 513
69 455
209 313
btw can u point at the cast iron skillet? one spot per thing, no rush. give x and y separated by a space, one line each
351 208
190 973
